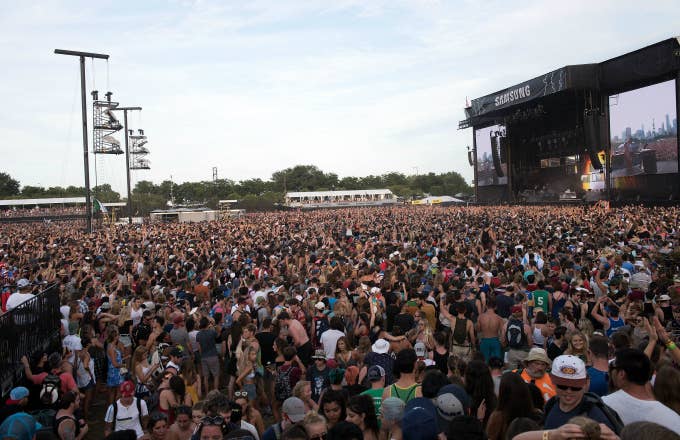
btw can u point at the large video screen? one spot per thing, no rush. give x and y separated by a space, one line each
644 127
486 171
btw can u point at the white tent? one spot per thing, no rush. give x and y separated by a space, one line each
437 200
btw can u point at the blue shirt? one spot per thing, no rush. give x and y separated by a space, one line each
599 381
556 417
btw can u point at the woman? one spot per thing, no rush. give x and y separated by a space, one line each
114 361
361 412
173 396
303 391
667 387
232 346
479 386
246 372
75 318
84 374
249 413
333 406
158 426
514 400
143 371
359 353
539 330
66 426
577 345
422 333
192 380
136 311
343 352
316 426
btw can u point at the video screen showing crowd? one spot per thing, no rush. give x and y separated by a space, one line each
414 323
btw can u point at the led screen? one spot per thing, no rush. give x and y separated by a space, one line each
486 172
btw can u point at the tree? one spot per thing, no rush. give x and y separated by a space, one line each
8 186
104 193
33 192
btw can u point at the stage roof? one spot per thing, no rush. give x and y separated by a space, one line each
648 65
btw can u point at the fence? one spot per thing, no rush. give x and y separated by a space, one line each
31 328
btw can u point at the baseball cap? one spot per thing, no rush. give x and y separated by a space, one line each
420 420
17 394
664 297
105 305
375 373
568 370
23 283
516 309
294 408
19 426
420 349
452 401
320 306
319 354
127 389
176 352
380 346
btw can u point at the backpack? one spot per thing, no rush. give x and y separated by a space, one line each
282 388
50 390
590 401
515 334
115 412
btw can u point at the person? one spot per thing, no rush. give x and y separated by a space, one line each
207 339
391 414
345 431
128 413
55 367
23 294
250 414
463 331
299 335
598 372
20 426
292 412
490 329
173 396
535 372
479 386
330 337
361 412
17 402
514 401
315 425
379 355
184 426
158 427
578 346
333 407
318 374
406 387
303 391
246 372
608 316
647 431
517 336
376 377
569 376
667 387
634 401
66 425
114 362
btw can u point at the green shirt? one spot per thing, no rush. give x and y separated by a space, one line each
540 298
376 394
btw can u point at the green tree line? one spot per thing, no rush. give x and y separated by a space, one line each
252 194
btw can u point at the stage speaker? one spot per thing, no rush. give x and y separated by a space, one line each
594 127
594 159
470 158
496 155
503 141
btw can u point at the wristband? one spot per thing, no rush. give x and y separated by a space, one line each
671 345
546 435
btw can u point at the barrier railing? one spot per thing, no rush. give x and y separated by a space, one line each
31 328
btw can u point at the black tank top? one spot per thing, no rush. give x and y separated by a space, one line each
460 331
441 361
58 421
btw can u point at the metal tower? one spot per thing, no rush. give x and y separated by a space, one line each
138 151
104 124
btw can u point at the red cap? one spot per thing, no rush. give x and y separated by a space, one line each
516 309
127 389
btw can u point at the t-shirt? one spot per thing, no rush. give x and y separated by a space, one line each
556 417
319 379
67 381
430 314
503 305
631 410
376 395
384 360
599 381
127 417
329 340
206 340
17 299
266 341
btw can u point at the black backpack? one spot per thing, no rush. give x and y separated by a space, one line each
590 401
515 334
282 388
50 390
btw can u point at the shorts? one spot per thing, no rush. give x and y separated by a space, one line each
89 386
251 389
210 365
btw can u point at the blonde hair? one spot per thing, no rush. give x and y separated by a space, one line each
312 418
570 349
299 387
243 361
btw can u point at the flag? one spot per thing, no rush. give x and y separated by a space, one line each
99 207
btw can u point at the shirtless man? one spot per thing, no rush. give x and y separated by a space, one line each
490 329
299 335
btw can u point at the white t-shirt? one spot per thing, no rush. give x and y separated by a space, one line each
250 428
16 299
128 417
631 409
329 340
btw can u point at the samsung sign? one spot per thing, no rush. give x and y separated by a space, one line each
512 95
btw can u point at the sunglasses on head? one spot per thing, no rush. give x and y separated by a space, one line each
565 388
214 420
241 394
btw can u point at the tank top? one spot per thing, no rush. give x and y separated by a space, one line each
58 421
538 337
404 394
441 361
460 332
613 325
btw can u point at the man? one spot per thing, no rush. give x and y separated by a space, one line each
300 339
142 331
22 294
292 412
571 380
319 374
55 368
490 328
427 309
463 331
319 324
517 336
542 298
176 355
406 387
609 317
537 364
179 334
376 376
634 401
128 412
210 362
379 355
598 372
18 399
330 337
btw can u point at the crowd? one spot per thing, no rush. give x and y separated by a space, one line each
412 323
42 211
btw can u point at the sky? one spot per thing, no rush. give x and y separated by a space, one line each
354 87
643 106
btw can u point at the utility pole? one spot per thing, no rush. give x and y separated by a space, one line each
83 98
127 157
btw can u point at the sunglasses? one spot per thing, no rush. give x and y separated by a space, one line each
211 421
565 388
319 437
241 394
